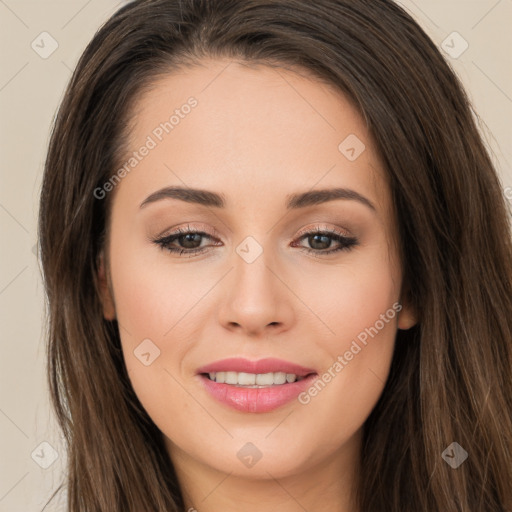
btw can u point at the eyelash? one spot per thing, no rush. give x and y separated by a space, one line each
347 243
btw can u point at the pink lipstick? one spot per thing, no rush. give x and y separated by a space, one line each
255 386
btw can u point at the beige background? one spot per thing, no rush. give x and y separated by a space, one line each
30 90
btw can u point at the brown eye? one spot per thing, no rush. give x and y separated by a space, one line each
183 241
321 241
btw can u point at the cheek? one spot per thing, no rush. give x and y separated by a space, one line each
355 298
139 306
152 294
155 303
361 308
364 309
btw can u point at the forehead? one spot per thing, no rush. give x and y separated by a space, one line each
254 130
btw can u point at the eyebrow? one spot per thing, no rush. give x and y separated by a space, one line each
293 201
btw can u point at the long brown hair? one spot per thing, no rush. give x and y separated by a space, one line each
451 374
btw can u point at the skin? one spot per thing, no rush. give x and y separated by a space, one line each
256 135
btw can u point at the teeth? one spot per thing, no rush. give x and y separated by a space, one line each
252 379
279 377
245 379
231 378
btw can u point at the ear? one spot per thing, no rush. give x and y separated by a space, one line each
106 295
407 317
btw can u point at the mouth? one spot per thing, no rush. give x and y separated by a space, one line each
255 386
253 380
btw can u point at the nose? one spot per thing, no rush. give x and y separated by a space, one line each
255 298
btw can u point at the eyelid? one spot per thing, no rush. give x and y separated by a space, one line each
347 241
180 228
324 228
215 234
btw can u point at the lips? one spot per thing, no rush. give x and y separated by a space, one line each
268 365
256 399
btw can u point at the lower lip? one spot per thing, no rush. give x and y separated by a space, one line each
256 399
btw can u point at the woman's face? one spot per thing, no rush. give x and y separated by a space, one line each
282 271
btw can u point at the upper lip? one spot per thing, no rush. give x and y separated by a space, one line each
268 365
